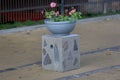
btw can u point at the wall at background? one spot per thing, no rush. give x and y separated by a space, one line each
22 10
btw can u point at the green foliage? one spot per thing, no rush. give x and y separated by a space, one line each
51 15
10 25
16 24
20 24
75 16
59 18
29 22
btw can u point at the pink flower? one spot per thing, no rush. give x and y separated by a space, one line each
53 4
42 12
72 11
57 13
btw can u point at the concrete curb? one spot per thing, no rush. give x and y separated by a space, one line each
99 18
25 28
71 77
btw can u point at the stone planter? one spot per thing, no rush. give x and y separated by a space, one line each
60 28
61 53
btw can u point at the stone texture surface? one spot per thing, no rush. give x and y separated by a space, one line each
61 53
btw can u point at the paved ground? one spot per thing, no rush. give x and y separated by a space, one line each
20 53
108 75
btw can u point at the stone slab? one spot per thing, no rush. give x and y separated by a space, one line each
61 53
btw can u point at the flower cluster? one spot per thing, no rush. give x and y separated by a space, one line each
69 15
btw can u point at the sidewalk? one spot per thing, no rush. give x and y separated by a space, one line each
24 49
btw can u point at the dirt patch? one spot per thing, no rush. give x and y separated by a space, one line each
22 48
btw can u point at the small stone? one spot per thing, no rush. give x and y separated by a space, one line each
28 32
118 18
109 52
3 37
76 76
87 74
19 77
98 48
118 69
107 19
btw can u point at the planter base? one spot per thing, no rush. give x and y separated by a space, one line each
60 53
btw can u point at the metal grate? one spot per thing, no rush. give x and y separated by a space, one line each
22 10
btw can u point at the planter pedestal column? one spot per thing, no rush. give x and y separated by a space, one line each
60 53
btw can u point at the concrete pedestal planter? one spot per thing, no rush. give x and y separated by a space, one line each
61 53
60 28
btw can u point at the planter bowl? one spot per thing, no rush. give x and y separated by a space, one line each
60 28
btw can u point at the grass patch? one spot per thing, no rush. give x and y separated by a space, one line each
20 24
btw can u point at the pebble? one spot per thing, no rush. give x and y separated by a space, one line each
109 52
107 19
28 32
19 77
